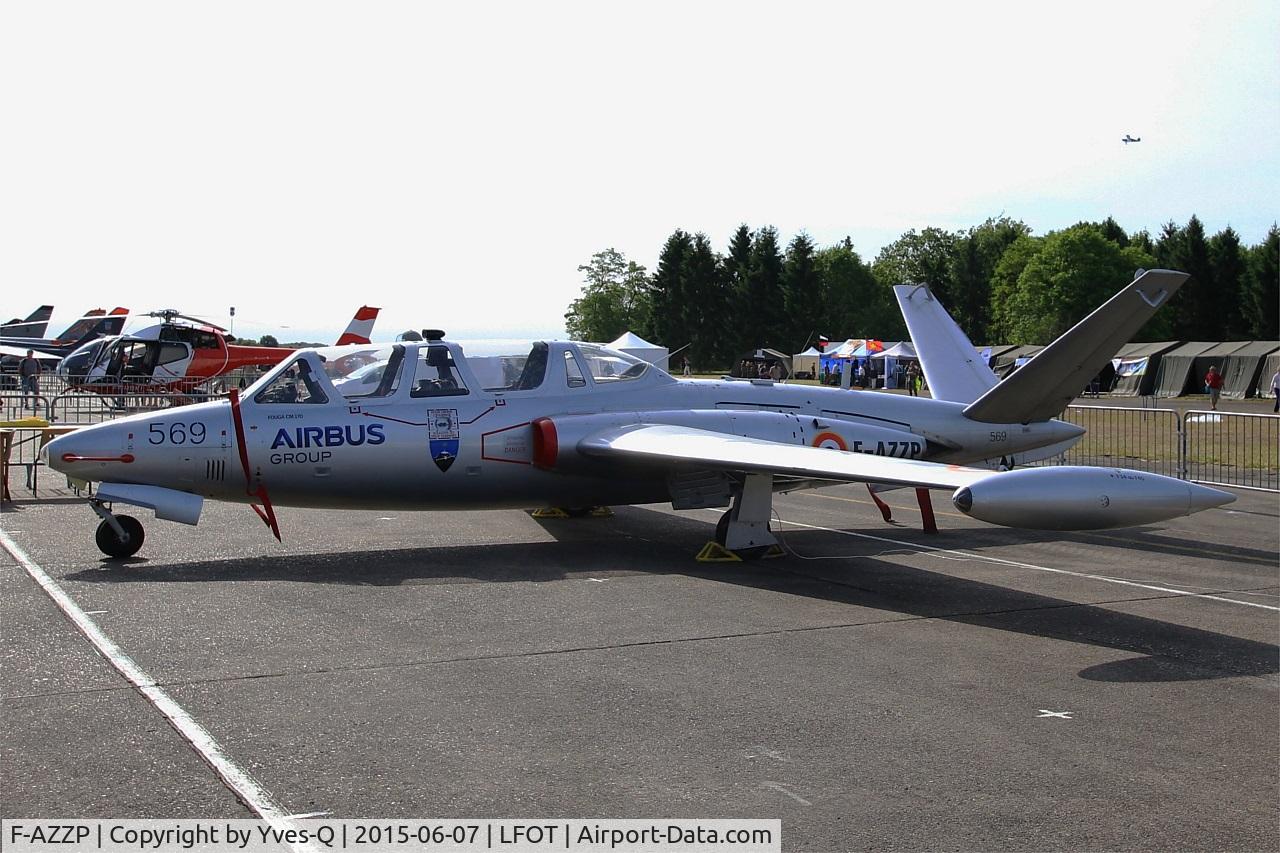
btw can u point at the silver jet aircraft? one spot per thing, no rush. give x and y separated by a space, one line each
427 426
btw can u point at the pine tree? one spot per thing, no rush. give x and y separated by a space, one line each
764 321
802 294
1178 249
705 303
1226 260
668 287
1262 288
736 274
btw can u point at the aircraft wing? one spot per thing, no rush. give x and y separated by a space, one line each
682 446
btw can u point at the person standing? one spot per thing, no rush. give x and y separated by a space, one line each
1275 390
29 374
688 371
913 379
1213 383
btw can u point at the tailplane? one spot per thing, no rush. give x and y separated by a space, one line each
1046 385
952 367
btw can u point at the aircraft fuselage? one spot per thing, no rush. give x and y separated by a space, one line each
482 448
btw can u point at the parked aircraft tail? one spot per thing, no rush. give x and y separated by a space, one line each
96 323
32 327
1043 387
952 367
360 327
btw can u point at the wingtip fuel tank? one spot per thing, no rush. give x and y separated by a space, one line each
1083 498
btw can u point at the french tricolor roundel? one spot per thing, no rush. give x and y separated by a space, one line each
830 440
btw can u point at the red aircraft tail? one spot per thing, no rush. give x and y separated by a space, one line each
360 328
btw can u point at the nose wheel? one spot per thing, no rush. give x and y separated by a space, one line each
118 536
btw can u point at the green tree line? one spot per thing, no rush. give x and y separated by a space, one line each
1000 282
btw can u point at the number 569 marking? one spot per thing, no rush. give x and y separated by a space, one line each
176 433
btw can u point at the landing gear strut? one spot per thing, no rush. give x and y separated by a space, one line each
118 536
743 531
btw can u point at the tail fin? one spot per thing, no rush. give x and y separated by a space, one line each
952 367
96 324
32 327
360 327
1044 386
76 330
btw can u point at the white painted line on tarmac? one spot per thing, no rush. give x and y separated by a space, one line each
939 552
241 783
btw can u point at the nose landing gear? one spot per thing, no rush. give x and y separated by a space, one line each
118 536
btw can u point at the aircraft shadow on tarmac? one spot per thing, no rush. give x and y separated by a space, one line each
638 541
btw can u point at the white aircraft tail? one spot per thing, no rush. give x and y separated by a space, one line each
360 327
1043 387
952 367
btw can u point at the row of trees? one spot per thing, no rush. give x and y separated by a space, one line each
1001 283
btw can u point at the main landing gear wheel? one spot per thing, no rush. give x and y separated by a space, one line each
722 535
112 545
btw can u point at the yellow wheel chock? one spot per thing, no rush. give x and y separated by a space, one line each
714 552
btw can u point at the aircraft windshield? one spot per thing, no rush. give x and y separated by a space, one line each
294 384
436 374
606 365
373 372
522 372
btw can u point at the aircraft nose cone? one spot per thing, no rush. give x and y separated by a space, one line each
1203 497
1064 430
54 450
87 451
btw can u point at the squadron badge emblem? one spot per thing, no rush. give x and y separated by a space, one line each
444 435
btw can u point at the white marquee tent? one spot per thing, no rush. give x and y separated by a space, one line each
633 344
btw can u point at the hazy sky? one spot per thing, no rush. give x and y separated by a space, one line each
455 164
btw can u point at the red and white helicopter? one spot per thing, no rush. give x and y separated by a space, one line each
177 357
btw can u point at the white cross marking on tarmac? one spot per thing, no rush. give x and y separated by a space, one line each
767 753
1061 715
782 788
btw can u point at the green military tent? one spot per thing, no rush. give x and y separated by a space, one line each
1174 373
1135 368
1215 356
1242 370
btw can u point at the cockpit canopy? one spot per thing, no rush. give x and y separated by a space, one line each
437 368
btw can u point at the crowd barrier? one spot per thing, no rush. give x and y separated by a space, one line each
1217 448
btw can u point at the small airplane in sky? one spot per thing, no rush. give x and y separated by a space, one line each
577 425
1127 139
176 357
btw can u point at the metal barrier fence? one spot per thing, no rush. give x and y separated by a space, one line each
1231 449
1219 448
1143 439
